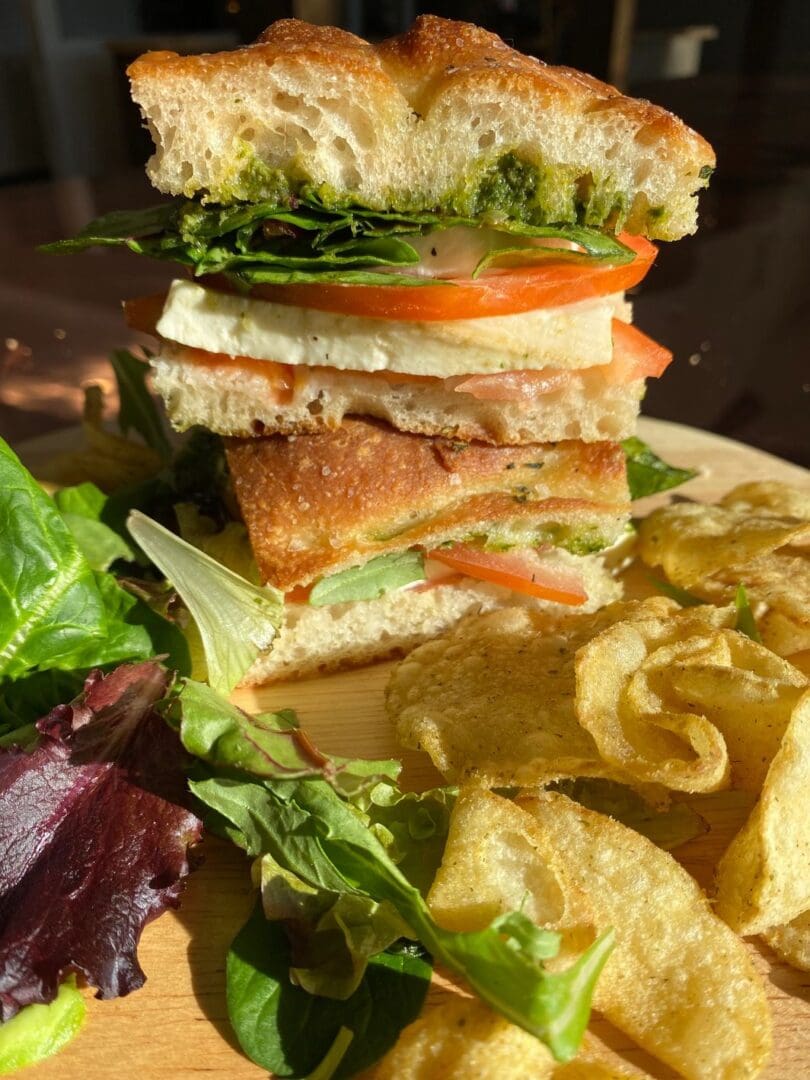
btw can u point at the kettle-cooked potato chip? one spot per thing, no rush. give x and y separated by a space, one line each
492 702
674 700
463 1039
759 535
679 981
791 943
763 879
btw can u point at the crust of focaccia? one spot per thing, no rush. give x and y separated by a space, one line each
412 124
318 504
232 399
316 640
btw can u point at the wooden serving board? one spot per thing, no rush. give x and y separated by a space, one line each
176 1026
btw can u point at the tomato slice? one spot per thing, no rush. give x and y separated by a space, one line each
635 356
509 385
497 292
526 572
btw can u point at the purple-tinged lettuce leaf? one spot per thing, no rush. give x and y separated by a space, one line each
94 839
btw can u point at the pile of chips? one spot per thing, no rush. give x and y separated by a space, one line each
664 702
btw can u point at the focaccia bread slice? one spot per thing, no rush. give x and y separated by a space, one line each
235 398
318 504
316 640
445 116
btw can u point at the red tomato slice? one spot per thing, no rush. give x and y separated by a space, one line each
509 385
635 356
497 292
526 573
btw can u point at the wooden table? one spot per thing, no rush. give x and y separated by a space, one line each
176 1026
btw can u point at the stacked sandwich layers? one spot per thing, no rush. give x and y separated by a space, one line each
407 315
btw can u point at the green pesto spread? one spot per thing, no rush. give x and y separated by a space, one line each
506 188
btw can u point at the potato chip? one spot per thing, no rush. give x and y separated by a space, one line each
463 1039
679 981
763 879
791 943
677 701
492 702
523 873
759 535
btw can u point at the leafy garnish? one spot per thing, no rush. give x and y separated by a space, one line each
93 839
138 409
236 619
56 613
290 1032
82 507
746 623
596 246
675 592
647 474
38 1032
268 243
371 580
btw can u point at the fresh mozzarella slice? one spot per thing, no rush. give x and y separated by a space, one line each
570 337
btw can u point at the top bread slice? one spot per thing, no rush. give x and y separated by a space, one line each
446 116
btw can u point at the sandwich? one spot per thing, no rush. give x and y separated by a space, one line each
402 303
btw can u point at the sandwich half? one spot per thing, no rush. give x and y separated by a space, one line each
380 540
436 231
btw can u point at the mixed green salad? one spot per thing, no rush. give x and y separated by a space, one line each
119 749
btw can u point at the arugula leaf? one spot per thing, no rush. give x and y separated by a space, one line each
290 1032
56 613
370 580
237 620
675 592
138 409
647 474
746 623
82 507
597 247
302 241
38 1032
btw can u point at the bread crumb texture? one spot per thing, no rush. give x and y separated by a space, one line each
446 116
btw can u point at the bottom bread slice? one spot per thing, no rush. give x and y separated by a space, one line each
317 640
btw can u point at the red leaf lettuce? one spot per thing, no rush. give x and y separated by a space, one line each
94 838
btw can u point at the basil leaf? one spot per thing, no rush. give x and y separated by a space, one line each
236 619
38 1032
82 507
56 613
304 242
746 623
138 409
597 247
647 474
371 580
290 1032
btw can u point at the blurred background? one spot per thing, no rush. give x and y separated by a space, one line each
732 302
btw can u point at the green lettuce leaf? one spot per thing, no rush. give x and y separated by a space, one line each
138 409
290 1032
56 612
647 474
82 507
317 836
38 1032
373 579
746 623
302 241
237 620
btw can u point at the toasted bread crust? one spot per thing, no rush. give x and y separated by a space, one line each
403 123
317 504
